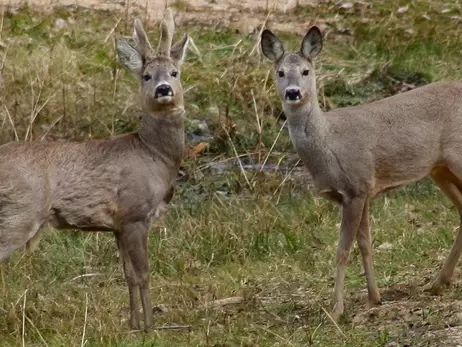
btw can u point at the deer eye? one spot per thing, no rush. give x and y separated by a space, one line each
146 77
174 74
305 72
281 74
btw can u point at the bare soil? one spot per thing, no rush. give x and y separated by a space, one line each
203 11
246 17
158 5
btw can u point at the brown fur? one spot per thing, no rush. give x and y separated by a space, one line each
115 185
356 153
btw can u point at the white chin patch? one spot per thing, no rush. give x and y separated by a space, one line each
164 99
293 102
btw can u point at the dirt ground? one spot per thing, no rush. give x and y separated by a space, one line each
213 8
245 16
157 5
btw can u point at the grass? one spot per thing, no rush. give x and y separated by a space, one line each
262 238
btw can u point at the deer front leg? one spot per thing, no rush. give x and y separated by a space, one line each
351 218
135 236
363 239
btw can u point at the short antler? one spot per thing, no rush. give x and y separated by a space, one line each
142 43
167 29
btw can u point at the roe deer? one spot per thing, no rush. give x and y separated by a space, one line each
116 184
356 153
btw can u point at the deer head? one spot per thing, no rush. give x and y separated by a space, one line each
293 71
159 72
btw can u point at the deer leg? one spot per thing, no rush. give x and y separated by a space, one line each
351 219
136 235
450 186
21 231
363 239
33 242
132 282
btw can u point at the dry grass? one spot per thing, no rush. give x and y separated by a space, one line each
258 236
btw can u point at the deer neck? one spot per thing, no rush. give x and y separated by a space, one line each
163 136
309 132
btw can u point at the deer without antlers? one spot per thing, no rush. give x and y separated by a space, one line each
116 184
356 153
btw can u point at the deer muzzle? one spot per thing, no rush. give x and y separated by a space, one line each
293 95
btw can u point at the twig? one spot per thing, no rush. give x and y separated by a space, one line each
12 123
333 321
287 342
194 48
286 177
23 333
238 158
209 163
315 331
34 115
4 288
219 48
85 275
38 332
1 22
173 327
263 26
226 301
259 129
189 88
51 126
82 343
4 57
235 47
274 315
272 146
112 30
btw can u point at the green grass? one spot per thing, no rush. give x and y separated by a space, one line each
265 239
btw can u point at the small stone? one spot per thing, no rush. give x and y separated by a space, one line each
346 5
61 23
159 309
403 9
385 246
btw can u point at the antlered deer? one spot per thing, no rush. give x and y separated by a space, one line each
116 184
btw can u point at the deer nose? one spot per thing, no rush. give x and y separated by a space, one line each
163 90
293 94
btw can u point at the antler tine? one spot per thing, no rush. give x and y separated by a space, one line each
139 35
167 29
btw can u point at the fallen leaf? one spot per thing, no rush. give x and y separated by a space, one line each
198 149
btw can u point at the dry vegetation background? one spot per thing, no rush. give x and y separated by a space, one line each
247 257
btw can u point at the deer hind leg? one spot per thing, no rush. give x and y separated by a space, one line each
451 186
22 231
33 242
132 281
134 242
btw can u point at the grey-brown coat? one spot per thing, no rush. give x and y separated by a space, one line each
356 153
117 184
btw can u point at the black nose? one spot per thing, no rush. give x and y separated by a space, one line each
293 94
163 90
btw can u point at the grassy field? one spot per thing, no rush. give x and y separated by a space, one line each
261 240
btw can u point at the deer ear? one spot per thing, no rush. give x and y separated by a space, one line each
271 46
129 56
312 43
178 50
